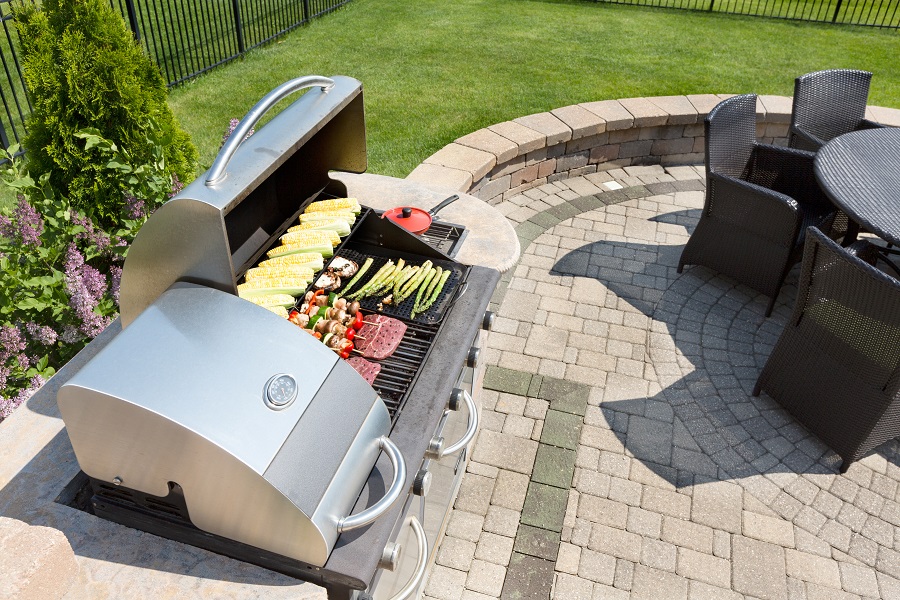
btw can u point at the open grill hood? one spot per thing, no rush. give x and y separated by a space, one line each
210 234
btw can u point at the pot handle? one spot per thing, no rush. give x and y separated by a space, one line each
422 545
217 172
379 508
470 430
446 202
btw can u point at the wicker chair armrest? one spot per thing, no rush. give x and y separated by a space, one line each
805 140
764 212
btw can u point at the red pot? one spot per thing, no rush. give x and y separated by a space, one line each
416 220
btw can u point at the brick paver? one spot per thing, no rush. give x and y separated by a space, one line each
621 453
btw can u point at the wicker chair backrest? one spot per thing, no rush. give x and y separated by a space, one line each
853 306
830 103
730 130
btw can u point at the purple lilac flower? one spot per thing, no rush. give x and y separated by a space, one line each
90 234
5 372
177 186
115 279
7 229
24 361
8 405
232 125
70 335
134 207
31 225
11 342
86 286
42 334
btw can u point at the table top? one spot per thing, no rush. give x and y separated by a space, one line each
860 172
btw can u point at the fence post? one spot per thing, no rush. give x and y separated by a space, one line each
132 19
306 15
837 9
238 26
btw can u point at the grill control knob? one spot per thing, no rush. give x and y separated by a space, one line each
435 447
422 483
456 399
487 321
390 556
473 356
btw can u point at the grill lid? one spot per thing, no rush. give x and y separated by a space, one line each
210 233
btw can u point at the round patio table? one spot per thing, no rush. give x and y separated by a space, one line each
860 173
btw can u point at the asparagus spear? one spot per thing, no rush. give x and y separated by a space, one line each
413 283
407 273
358 275
437 290
432 276
375 280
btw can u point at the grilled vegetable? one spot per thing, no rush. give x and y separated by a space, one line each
329 215
325 249
427 284
340 226
414 283
375 281
280 271
351 204
359 274
278 310
343 267
265 287
437 290
328 282
271 300
311 237
311 260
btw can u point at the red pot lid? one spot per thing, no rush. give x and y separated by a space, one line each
410 218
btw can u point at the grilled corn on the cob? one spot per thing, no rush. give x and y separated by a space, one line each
341 226
325 249
299 272
311 260
344 215
311 237
277 309
351 204
262 287
266 301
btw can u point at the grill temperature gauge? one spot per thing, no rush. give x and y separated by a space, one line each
280 391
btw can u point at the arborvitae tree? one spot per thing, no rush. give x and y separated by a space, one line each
84 70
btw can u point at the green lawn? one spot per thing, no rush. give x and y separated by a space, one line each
434 70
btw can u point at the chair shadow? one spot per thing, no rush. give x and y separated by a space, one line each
703 425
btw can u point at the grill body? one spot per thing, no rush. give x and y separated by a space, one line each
179 399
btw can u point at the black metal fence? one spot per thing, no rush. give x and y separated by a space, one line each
184 37
189 37
867 13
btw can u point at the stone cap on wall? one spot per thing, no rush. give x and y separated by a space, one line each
466 161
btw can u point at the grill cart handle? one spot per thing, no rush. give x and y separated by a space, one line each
217 170
470 430
397 486
422 544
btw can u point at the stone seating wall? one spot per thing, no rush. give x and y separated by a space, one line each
506 159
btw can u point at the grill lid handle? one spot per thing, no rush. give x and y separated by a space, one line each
217 171
397 486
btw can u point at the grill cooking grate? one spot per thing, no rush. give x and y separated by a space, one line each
399 369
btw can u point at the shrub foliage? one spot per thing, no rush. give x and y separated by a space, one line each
84 70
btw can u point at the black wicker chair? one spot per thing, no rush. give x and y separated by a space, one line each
759 201
836 366
828 104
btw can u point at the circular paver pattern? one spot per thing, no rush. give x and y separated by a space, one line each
680 479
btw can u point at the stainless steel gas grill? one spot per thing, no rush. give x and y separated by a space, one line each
214 422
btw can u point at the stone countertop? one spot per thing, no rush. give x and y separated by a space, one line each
491 240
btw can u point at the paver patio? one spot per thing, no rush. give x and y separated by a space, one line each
621 453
